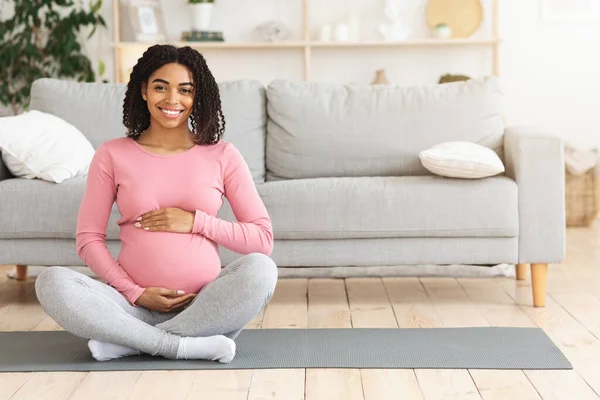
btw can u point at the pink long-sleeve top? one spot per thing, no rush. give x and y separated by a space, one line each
194 180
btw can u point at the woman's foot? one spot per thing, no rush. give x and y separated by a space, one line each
215 348
103 351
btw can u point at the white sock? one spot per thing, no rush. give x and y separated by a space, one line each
103 351
218 347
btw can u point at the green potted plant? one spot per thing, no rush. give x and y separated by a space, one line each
42 40
201 14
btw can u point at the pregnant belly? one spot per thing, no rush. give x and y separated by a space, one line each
170 260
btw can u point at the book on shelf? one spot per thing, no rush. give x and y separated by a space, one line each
202 36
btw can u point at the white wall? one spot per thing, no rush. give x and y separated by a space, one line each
548 69
550 72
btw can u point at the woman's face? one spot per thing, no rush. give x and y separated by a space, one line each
169 94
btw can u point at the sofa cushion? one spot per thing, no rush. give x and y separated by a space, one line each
33 208
96 109
464 160
244 106
363 207
325 208
331 130
39 145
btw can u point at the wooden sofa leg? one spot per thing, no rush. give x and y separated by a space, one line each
521 271
539 274
21 272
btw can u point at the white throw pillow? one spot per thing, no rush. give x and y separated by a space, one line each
39 145
461 160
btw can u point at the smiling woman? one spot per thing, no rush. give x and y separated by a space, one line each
169 101
166 294
171 81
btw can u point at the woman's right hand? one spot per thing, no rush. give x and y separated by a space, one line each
163 300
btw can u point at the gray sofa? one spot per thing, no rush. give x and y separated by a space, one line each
338 170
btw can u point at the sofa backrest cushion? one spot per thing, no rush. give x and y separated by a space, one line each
334 130
244 105
96 109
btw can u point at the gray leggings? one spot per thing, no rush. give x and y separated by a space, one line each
93 310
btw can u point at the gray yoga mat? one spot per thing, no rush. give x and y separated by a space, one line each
475 348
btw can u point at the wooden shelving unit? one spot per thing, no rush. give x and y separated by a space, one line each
306 45
225 45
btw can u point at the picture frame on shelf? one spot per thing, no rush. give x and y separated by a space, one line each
570 10
146 19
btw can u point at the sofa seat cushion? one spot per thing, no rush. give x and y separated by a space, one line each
375 207
33 208
320 208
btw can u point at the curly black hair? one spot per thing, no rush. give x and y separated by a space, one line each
207 121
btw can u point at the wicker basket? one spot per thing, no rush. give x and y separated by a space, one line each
582 194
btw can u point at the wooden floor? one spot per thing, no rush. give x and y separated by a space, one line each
571 318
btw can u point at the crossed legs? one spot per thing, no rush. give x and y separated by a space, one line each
93 310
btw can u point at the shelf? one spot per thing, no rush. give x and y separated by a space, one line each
309 48
420 42
302 44
220 45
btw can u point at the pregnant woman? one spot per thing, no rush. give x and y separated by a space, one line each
166 294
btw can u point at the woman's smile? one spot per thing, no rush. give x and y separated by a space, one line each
171 113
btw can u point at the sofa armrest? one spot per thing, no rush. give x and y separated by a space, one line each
4 172
535 160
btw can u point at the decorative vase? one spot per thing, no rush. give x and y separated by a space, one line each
380 78
201 15
341 32
400 17
353 22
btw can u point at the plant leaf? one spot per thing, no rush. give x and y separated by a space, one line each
42 40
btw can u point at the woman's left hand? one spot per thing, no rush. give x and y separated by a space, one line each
167 220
